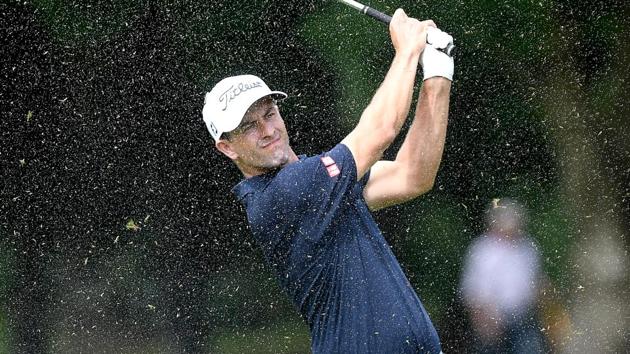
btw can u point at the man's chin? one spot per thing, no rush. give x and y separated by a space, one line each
279 161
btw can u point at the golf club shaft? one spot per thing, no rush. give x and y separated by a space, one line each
368 11
449 50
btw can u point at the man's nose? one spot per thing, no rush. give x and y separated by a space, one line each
266 128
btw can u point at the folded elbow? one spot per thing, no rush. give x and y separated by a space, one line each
422 186
427 186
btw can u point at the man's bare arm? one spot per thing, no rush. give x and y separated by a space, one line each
415 168
383 118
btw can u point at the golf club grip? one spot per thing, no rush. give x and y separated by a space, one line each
449 50
378 15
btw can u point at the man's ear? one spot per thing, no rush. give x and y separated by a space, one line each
226 148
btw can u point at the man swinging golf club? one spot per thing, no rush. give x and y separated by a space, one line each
311 215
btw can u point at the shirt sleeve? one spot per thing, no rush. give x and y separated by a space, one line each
322 182
332 175
336 170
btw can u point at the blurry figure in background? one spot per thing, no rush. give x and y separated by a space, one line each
501 281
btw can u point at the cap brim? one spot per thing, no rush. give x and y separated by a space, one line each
278 95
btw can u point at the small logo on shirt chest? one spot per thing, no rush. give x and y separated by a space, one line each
331 166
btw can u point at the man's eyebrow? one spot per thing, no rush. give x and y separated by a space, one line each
247 121
249 118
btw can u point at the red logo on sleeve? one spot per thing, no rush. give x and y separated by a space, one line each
331 166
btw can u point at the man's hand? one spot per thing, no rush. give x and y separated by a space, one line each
409 36
434 62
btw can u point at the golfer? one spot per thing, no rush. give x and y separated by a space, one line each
311 215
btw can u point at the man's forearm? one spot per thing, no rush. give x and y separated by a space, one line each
390 105
383 118
421 152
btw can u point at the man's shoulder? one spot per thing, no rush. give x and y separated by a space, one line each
277 183
292 177
296 177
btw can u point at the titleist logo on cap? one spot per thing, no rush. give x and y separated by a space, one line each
231 93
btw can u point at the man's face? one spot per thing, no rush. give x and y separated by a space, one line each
260 143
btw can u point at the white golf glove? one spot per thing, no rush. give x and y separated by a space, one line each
434 62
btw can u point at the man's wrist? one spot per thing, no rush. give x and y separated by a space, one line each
408 61
407 55
436 63
436 85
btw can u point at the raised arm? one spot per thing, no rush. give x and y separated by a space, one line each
383 118
415 168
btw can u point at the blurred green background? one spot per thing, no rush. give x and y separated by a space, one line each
118 230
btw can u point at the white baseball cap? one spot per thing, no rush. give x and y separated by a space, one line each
226 104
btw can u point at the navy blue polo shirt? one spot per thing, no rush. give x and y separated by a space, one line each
316 232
